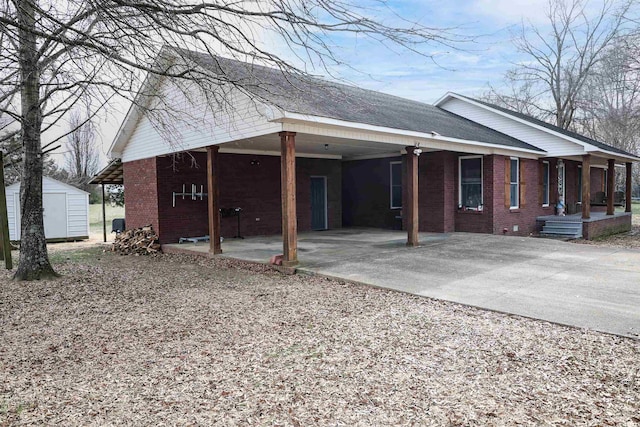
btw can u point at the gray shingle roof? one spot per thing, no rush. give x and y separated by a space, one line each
318 97
554 128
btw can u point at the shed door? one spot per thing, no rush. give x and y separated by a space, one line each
55 215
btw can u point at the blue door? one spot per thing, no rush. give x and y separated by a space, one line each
318 202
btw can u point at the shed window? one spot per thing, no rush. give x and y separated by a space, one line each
396 184
470 191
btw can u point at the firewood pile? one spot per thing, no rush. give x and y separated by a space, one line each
137 241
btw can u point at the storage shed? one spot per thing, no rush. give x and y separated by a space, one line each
66 211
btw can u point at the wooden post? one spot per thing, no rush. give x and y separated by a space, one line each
411 207
104 217
611 180
628 188
5 244
288 190
586 186
213 193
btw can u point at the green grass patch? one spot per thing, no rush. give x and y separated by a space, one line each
95 216
84 255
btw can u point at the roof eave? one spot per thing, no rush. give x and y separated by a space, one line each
587 147
289 117
592 149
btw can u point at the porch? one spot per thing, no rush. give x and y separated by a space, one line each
597 225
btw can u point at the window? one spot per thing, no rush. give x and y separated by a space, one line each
579 183
470 191
545 183
514 183
605 181
396 184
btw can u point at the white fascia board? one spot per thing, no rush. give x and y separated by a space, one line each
587 147
278 153
443 98
433 141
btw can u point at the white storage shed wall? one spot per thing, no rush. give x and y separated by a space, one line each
66 210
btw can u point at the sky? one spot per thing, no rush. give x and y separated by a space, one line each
468 70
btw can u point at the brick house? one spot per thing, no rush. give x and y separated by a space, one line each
300 154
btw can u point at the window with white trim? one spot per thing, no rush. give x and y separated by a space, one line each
545 183
395 176
470 182
514 187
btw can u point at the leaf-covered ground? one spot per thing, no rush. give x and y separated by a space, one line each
173 340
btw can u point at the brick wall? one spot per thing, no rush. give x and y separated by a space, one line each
332 169
594 229
358 194
246 181
366 193
188 217
471 221
597 181
141 195
525 216
437 194
571 175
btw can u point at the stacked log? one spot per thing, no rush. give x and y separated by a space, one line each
137 241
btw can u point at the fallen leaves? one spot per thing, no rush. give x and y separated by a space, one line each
194 341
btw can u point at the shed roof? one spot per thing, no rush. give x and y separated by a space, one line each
15 186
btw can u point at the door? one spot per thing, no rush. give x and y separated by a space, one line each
319 203
55 215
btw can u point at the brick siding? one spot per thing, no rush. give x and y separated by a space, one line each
366 189
248 181
612 225
358 194
141 195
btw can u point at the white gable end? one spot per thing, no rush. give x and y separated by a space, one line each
553 145
192 125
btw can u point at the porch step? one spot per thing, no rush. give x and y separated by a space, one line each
572 229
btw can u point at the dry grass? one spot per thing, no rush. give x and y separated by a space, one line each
173 340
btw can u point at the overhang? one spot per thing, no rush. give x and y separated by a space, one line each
111 174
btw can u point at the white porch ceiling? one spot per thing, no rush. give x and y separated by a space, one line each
314 146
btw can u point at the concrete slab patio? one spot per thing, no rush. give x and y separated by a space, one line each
579 285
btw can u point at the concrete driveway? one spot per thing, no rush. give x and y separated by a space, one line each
579 285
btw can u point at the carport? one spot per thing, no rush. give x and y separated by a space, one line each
579 285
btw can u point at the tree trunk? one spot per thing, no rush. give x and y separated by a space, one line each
34 260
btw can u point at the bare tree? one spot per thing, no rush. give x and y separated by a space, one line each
13 162
611 105
81 153
560 60
56 54
610 110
